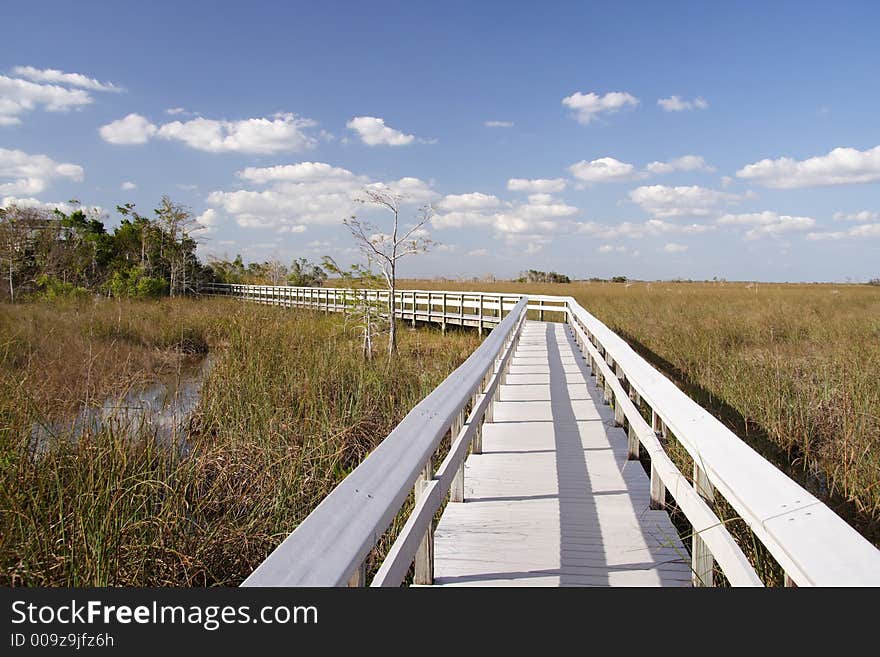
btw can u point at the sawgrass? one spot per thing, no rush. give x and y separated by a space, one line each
287 410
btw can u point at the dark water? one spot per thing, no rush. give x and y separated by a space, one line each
161 409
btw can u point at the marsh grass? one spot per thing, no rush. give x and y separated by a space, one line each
287 410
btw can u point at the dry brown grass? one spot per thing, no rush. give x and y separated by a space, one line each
289 408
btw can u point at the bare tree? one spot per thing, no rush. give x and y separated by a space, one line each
276 271
386 249
363 309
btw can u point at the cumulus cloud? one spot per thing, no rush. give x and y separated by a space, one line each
128 185
302 171
640 229
30 202
292 196
683 163
411 190
22 173
861 217
541 216
54 76
610 248
131 129
478 253
264 136
208 220
767 223
841 166
856 232
588 107
609 169
18 96
498 124
604 169
373 132
537 185
676 104
472 201
672 247
260 136
663 201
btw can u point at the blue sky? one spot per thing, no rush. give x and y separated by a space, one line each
655 140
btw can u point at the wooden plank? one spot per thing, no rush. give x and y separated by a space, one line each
551 500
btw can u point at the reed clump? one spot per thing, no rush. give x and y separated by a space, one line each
288 408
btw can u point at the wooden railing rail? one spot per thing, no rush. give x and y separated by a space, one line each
813 545
329 547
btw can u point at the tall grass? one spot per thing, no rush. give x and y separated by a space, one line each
793 369
288 408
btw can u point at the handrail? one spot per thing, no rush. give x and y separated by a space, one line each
330 545
451 472
479 309
665 476
812 544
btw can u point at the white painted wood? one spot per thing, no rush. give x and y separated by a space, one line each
456 493
658 490
552 501
359 577
403 551
423 571
703 520
812 544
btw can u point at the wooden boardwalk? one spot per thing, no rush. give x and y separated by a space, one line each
553 500
549 496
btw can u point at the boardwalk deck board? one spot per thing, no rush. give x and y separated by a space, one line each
552 500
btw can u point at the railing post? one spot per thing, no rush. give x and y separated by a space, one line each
443 325
632 444
359 576
702 562
424 561
619 417
658 489
413 309
456 492
477 442
490 413
481 315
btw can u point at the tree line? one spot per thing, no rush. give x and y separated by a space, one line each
50 254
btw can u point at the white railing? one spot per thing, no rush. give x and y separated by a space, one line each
813 545
477 309
329 547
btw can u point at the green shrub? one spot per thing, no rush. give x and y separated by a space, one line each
135 284
52 289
